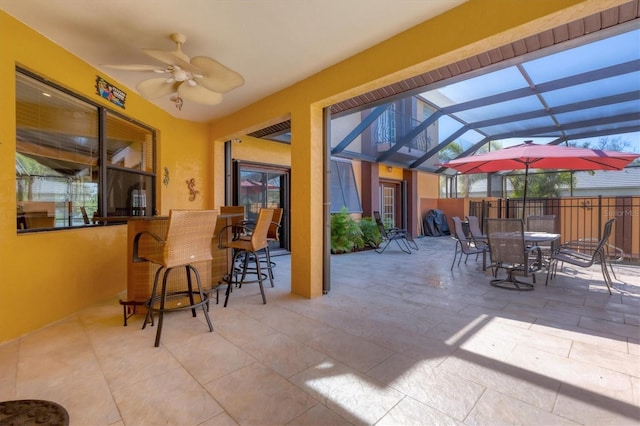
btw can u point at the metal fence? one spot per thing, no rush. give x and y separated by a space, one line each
577 218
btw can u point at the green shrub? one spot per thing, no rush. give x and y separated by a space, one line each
346 234
370 232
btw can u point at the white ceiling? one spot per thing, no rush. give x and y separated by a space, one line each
271 43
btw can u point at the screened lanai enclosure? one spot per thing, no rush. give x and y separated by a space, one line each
579 93
577 84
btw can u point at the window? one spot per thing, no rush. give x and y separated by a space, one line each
62 155
344 191
388 205
129 164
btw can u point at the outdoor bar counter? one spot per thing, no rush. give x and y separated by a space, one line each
140 275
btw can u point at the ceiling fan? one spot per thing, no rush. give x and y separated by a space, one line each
200 79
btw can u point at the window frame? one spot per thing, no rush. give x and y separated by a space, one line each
148 175
344 193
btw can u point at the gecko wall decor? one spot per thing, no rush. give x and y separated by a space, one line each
191 184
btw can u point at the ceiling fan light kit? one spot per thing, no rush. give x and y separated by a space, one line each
201 79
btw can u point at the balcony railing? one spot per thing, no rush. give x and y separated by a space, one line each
393 126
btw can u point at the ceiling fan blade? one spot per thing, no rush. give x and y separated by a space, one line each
164 56
216 76
149 68
155 87
199 94
173 58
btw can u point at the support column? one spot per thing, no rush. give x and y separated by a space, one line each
306 201
413 206
370 178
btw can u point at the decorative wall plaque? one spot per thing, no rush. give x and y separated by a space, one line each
110 92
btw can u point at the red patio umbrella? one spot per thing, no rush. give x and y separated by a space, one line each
533 156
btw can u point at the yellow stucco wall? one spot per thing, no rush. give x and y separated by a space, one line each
261 151
389 172
46 276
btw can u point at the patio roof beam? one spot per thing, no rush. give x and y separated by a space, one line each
461 131
356 155
468 151
577 106
369 119
541 131
605 132
574 80
406 139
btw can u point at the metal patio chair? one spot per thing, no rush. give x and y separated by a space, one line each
401 236
467 245
584 254
510 252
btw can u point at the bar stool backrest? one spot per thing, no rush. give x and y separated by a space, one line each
274 227
189 236
259 234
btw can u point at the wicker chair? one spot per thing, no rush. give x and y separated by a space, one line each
246 247
467 245
509 252
188 241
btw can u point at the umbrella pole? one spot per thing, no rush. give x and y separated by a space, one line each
524 197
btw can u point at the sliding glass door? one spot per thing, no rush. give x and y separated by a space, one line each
257 186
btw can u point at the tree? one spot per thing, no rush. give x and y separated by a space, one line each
608 143
454 150
541 185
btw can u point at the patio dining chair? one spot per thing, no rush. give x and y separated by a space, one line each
584 254
509 252
543 223
401 236
467 245
474 229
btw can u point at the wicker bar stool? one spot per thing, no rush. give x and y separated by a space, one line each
188 241
273 235
245 249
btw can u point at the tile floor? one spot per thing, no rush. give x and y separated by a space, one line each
400 339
